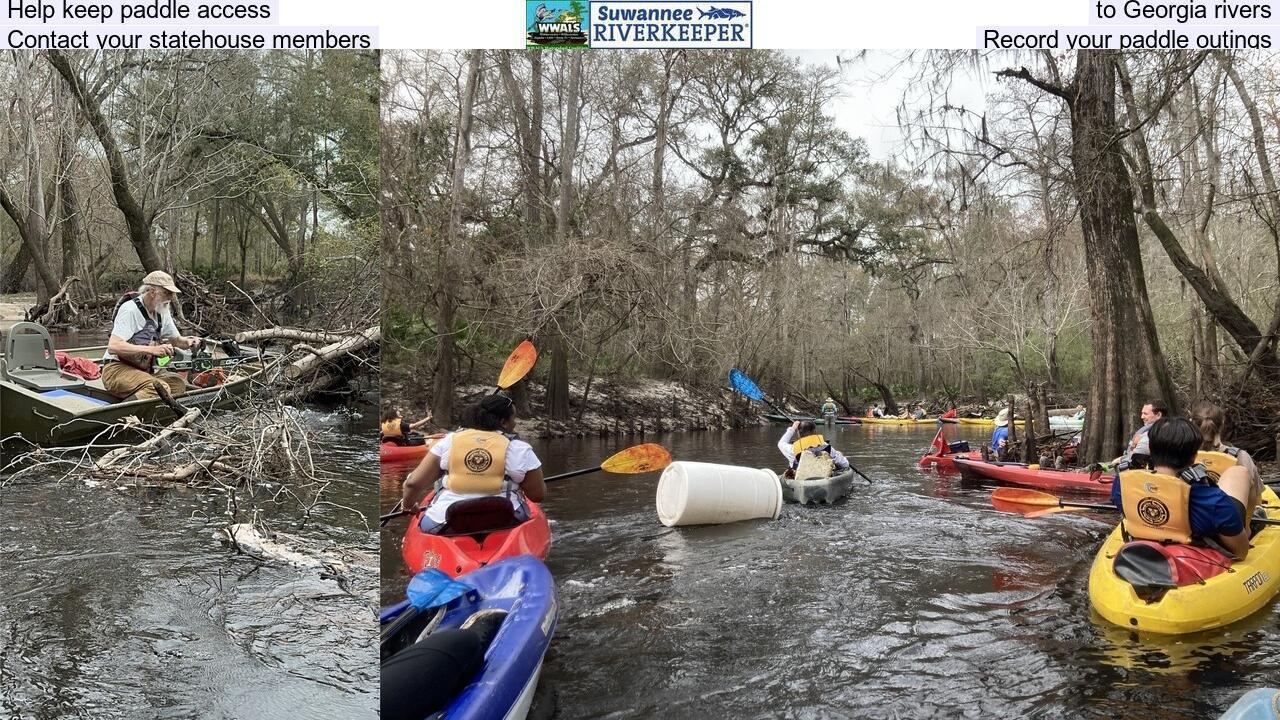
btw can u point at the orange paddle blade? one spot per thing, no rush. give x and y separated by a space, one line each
638 459
518 364
1023 496
1051 511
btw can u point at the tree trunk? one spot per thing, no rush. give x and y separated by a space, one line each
1128 367
15 274
135 215
558 380
446 303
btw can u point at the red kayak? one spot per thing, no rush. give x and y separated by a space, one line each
1033 476
390 452
945 462
460 554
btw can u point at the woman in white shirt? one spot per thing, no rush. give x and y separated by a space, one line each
485 459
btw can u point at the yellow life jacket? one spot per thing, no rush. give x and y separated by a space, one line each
391 428
1218 462
477 462
806 442
1156 507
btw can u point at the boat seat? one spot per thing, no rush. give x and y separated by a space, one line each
479 516
30 360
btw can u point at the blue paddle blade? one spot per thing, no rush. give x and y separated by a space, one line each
432 588
744 385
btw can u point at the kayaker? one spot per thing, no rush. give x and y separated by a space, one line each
918 413
829 407
485 459
142 333
1000 436
803 435
1160 509
395 429
1211 421
1137 453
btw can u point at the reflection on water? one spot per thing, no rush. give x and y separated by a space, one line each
122 604
914 598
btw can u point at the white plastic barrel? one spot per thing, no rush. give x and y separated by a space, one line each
694 493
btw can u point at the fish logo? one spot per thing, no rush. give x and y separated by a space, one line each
543 14
716 13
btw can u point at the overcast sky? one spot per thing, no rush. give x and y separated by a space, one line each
874 87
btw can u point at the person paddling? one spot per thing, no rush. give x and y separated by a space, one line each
1178 501
397 430
803 438
485 459
1211 421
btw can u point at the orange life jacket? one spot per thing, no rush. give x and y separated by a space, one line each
1218 462
477 462
808 441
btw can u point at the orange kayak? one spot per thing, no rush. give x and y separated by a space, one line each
460 554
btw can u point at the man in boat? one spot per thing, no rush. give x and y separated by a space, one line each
395 429
142 333
803 437
1000 436
829 407
483 460
918 413
1178 501
1138 451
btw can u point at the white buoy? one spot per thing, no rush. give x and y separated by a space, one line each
694 493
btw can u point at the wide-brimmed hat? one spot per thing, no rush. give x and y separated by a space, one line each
1002 418
830 399
160 278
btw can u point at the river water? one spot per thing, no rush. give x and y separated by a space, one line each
913 598
122 604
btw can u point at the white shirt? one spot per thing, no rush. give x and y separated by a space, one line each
129 321
520 460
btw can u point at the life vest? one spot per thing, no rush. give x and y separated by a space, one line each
477 462
1218 462
1156 506
806 443
149 333
391 428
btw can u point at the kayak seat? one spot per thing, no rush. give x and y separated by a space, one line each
1142 564
479 516
1153 568
31 361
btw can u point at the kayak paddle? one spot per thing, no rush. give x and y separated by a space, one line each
1034 503
749 389
634 460
518 364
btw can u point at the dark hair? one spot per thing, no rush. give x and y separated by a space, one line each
390 414
1211 420
1174 442
806 428
492 411
1159 406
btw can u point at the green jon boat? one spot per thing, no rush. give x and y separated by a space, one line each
43 406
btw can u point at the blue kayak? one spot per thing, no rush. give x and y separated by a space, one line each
1260 704
510 605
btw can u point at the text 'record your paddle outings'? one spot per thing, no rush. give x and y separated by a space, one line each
168 25
1151 25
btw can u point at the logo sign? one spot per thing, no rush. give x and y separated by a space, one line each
1153 512
670 24
555 23
478 460
1256 581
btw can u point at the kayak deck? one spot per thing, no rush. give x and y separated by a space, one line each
460 554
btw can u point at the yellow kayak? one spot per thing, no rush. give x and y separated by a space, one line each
1207 600
986 422
897 421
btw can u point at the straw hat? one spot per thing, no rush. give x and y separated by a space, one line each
160 278
1002 418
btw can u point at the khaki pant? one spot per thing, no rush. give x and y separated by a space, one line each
124 380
